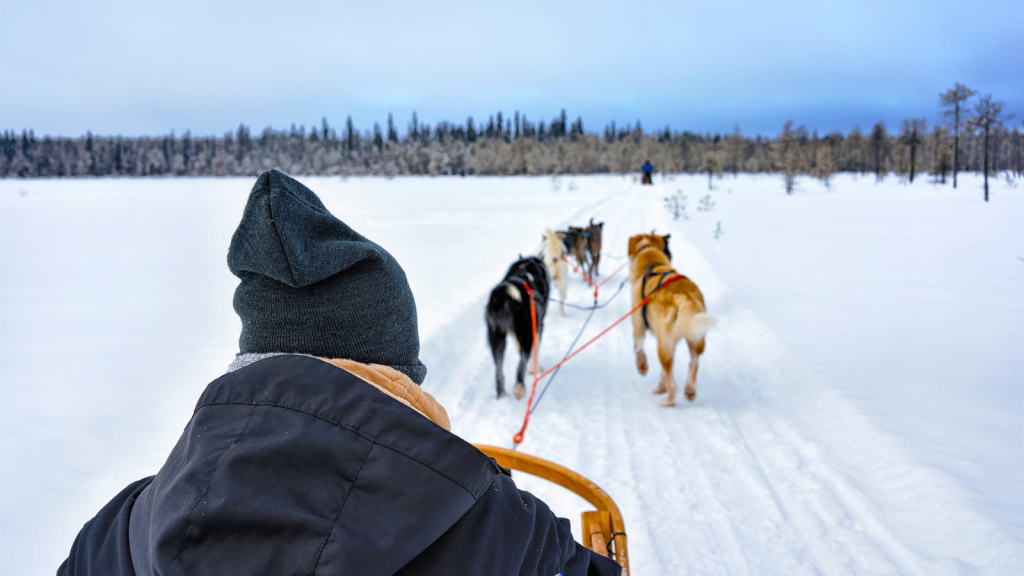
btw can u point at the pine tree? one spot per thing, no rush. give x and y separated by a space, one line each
350 135
1016 142
878 140
470 130
186 149
954 99
378 138
986 118
392 133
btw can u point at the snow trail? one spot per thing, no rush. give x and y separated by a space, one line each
727 484
837 429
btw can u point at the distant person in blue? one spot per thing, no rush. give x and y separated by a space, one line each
648 169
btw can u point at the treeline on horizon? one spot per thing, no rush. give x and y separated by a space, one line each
517 146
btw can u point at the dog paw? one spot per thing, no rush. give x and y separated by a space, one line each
519 391
641 363
659 389
691 393
668 403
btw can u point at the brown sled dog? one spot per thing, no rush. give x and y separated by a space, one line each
676 312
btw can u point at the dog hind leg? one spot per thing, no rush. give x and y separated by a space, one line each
666 354
691 378
639 332
520 388
497 339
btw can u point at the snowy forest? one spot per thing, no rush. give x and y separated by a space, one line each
512 146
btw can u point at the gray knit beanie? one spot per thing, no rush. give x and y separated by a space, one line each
312 285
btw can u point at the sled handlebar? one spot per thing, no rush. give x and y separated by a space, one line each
603 530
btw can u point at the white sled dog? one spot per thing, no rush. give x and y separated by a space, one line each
674 313
553 254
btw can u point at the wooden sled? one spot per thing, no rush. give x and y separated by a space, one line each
603 530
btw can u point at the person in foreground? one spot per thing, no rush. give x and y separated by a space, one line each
318 452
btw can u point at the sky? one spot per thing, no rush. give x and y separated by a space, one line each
116 67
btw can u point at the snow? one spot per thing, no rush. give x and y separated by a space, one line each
860 405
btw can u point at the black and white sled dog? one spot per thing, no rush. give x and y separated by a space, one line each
508 311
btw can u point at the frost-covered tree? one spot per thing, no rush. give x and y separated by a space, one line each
953 100
676 205
986 118
825 164
942 155
736 150
790 155
711 165
910 138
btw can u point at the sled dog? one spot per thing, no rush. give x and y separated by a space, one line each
675 312
576 243
508 311
585 246
593 235
553 253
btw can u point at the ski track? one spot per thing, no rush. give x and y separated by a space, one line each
724 485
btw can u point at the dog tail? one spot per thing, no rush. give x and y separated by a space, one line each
700 323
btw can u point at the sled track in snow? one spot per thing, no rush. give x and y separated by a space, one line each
745 491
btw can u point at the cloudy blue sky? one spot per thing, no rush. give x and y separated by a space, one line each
131 68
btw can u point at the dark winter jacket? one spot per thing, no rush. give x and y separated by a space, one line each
294 466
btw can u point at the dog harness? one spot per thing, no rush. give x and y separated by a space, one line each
643 286
524 281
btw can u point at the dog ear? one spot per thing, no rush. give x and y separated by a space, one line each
633 241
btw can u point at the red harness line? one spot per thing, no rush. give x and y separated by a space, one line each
518 438
591 282
585 277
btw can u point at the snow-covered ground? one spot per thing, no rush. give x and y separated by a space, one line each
860 406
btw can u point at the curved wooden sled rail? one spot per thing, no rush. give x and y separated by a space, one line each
603 530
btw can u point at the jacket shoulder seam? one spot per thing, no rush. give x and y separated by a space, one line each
184 531
341 507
